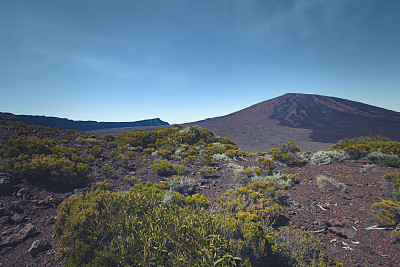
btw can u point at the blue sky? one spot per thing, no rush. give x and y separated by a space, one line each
187 60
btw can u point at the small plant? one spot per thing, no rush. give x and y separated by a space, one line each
386 213
394 181
325 157
126 157
130 179
221 157
182 185
179 169
108 138
237 169
107 170
90 158
96 151
286 154
322 180
300 248
266 164
209 172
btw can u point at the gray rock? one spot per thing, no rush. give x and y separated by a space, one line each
335 223
17 235
18 218
345 232
39 246
25 193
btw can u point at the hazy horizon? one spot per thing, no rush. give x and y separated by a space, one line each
185 60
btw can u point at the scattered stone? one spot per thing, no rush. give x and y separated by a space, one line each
335 223
25 193
18 218
39 246
80 191
345 232
18 235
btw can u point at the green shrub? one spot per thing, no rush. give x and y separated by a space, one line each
235 168
107 170
300 248
394 181
162 168
130 179
249 212
325 157
286 154
183 185
362 146
266 164
96 151
179 169
283 180
126 157
108 138
386 213
42 160
388 160
110 229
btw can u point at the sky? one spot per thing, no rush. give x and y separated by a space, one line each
188 60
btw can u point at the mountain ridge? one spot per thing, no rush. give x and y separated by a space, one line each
64 123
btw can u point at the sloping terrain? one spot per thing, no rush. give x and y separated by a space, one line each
339 217
313 122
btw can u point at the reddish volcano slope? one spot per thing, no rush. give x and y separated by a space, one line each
311 121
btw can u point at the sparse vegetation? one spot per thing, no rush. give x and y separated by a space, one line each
322 180
324 157
286 154
42 160
362 146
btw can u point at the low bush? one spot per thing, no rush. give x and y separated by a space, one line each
164 168
183 185
130 179
286 154
284 180
221 157
96 151
394 181
325 157
362 146
235 168
107 170
102 228
322 180
42 160
300 248
386 213
266 164
387 160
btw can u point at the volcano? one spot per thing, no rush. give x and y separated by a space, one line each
313 122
